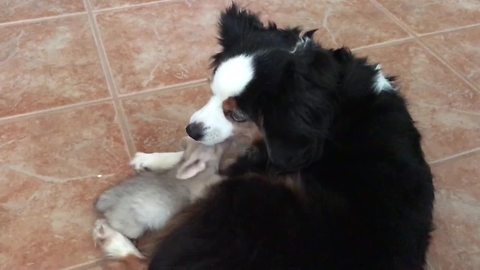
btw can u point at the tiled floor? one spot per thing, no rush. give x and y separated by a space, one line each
85 84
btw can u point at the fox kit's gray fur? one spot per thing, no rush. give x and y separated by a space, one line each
149 199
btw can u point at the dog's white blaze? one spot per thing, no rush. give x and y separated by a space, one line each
229 80
381 82
232 76
216 126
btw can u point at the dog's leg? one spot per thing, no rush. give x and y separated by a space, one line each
113 243
155 161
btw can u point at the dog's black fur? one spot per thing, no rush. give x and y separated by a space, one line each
365 193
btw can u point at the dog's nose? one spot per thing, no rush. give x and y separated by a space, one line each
195 131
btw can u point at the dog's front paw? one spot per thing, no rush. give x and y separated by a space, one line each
142 162
113 243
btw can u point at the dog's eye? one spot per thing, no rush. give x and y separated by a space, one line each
238 116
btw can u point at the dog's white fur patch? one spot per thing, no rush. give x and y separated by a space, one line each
229 80
301 44
381 82
216 126
232 76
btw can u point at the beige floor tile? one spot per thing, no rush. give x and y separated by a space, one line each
48 64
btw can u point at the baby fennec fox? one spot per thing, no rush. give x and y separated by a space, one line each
149 199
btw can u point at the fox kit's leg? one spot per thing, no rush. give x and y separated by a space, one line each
114 244
155 161
118 248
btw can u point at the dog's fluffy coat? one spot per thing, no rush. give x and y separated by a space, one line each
362 193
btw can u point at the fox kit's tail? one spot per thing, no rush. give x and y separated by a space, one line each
105 202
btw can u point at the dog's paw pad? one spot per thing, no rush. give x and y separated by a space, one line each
113 243
141 162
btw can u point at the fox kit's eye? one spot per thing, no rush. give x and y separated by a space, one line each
238 116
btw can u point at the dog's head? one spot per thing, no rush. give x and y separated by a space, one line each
277 78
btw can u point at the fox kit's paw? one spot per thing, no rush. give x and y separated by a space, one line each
155 161
113 243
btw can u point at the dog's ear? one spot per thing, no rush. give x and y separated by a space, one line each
295 122
235 23
310 33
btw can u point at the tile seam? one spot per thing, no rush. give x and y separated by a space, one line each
393 18
102 54
181 86
88 103
85 265
440 107
54 110
449 30
456 156
387 43
446 64
133 6
43 19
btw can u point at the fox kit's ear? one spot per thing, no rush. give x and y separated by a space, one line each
190 168
196 157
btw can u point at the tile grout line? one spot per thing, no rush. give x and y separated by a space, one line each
449 30
54 110
412 32
431 106
120 113
42 19
85 12
446 64
384 43
412 37
179 86
453 157
85 265
418 39
394 18
152 3
84 104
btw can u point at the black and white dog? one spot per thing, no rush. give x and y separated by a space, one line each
338 180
